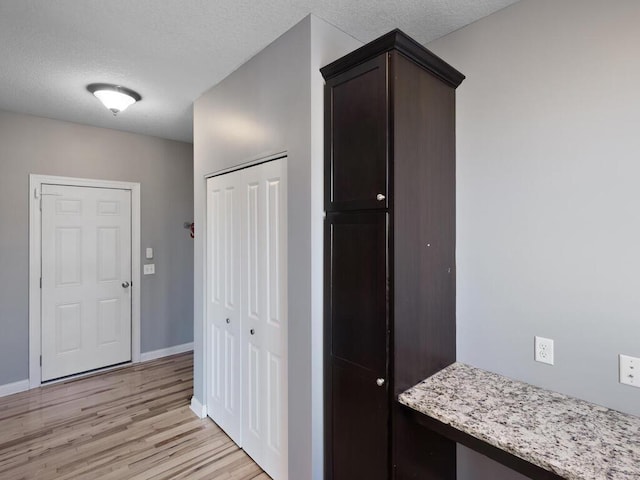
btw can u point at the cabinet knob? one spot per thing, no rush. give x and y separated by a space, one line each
252 331
228 320
380 197
380 382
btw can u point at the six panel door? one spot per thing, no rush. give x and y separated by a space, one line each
86 276
357 336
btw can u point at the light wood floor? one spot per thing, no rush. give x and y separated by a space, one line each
131 423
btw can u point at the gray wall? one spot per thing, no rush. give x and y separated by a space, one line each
548 200
31 144
271 104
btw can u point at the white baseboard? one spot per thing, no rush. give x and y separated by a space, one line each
23 385
15 387
197 408
165 352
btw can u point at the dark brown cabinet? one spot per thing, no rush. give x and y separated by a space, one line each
389 255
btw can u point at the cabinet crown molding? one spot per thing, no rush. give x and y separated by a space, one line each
400 41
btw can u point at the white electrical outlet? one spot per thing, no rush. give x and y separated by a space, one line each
630 370
543 348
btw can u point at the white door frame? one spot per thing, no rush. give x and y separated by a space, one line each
35 269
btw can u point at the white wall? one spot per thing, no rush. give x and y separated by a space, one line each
273 104
30 144
327 45
548 202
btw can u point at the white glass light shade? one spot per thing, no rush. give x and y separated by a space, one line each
114 101
114 97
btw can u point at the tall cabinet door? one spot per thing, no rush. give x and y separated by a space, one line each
224 250
357 342
357 117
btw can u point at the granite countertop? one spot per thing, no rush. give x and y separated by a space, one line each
570 437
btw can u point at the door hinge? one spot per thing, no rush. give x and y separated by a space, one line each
40 282
40 360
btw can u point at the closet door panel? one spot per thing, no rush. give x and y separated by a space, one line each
264 317
274 335
224 401
253 317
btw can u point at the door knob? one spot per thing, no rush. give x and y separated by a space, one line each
125 284
380 382
252 331
228 321
380 197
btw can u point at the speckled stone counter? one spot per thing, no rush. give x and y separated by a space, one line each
570 437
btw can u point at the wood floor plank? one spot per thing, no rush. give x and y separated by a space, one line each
131 423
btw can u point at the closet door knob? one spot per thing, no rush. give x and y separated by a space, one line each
228 321
380 382
252 331
380 197
125 284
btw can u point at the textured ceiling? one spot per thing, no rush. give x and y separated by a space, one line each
173 50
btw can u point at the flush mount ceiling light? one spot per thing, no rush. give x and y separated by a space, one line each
115 97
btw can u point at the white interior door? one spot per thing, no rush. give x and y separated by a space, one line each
246 284
86 276
224 402
264 318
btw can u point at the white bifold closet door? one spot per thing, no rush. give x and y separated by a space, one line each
246 311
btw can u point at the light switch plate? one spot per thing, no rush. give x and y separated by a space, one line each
630 370
149 269
149 253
